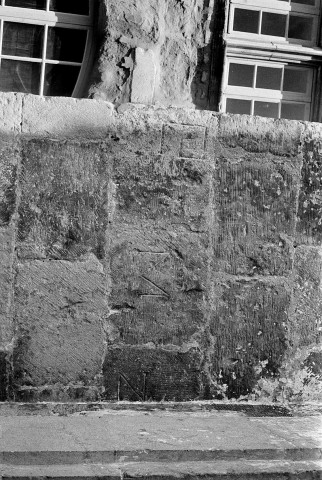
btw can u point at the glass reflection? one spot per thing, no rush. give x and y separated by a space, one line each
19 76
246 20
266 109
235 105
66 44
293 111
80 7
35 4
22 40
241 74
60 80
269 78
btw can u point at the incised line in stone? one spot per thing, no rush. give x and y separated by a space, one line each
156 286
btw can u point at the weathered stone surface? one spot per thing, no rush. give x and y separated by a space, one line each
158 249
137 373
176 32
305 323
187 141
184 221
144 76
255 218
248 327
9 160
157 292
3 377
10 113
60 310
7 237
67 117
65 201
163 190
309 226
243 134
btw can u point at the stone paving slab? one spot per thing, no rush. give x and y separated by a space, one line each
109 436
241 470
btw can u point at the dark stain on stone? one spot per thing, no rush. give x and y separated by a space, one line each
137 373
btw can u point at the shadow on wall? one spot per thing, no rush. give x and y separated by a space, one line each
206 84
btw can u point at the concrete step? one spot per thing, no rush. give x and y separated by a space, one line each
216 470
74 457
160 446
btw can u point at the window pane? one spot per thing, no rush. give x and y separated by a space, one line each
300 27
39 4
234 105
70 6
266 109
60 80
246 20
293 111
66 44
19 76
241 75
269 78
295 80
273 24
22 40
304 2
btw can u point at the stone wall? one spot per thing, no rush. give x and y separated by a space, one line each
157 253
166 52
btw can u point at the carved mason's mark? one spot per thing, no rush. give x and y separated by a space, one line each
183 141
161 291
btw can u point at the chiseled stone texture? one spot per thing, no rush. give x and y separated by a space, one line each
306 321
158 249
309 227
248 326
180 37
65 206
11 106
67 117
60 308
9 161
171 245
145 373
256 210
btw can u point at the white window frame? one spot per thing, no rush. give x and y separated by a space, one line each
274 7
274 52
267 95
48 18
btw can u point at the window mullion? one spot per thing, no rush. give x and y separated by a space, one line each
1 36
287 24
260 21
43 64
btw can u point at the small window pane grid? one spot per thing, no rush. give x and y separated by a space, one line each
44 45
292 25
270 87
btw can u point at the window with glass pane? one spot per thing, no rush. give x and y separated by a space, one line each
293 21
268 90
272 58
47 53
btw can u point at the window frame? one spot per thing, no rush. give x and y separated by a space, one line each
272 51
47 19
287 12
